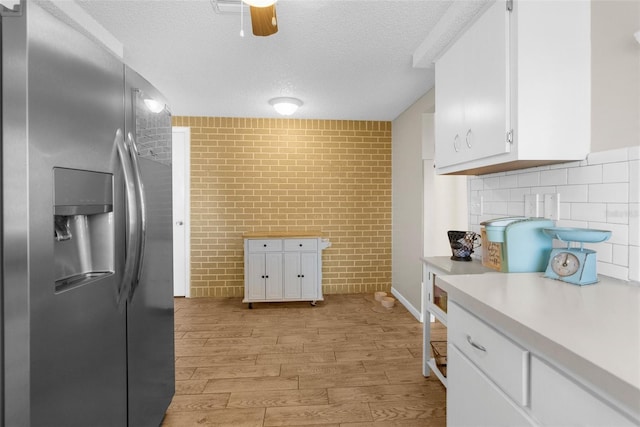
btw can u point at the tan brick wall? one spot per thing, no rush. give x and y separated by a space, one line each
290 175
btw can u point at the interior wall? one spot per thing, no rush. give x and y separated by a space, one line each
290 175
425 206
445 205
615 70
407 191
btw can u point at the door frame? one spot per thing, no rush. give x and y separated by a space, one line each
183 171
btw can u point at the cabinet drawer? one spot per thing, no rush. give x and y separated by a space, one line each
265 245
301 245
474 400
502 360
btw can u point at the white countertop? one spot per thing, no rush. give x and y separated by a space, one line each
449 266
591 331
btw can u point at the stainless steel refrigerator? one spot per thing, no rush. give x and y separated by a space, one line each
87 307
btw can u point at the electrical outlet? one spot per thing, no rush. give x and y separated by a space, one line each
531 205
552 206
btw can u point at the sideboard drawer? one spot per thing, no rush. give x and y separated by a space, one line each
502 360
265 245
301 244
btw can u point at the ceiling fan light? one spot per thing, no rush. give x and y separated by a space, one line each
285 106
260 3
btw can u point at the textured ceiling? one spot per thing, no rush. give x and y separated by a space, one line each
345 59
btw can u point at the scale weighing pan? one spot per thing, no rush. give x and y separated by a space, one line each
585 235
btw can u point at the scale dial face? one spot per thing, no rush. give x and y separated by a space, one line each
565 264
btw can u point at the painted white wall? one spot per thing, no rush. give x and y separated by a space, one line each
406 199
445 202
425 206
615 71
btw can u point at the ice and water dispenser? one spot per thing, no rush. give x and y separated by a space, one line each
83 227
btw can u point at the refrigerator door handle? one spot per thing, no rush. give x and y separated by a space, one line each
142 210
133 232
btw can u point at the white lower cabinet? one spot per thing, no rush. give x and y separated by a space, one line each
288 269
488 374
557 400
495 381
474 400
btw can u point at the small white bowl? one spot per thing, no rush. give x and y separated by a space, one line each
388 302
379 295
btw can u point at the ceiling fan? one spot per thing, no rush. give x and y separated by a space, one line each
264 21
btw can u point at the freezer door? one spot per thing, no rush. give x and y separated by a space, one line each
65 352
150 310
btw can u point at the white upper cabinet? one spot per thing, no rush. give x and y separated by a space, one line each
471 92
514 90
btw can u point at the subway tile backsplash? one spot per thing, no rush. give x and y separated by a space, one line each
601 192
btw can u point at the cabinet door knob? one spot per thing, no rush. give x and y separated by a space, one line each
302 275
265 245
468 139
300 244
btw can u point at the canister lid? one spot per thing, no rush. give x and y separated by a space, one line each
502 222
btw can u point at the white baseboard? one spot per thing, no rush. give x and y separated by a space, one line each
414 311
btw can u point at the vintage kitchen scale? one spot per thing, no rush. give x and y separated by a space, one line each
574 265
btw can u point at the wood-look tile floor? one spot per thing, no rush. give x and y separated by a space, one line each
347 362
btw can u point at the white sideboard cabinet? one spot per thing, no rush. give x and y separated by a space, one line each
283 267
513 90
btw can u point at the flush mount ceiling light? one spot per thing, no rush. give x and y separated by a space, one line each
285 106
